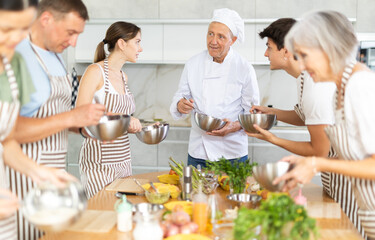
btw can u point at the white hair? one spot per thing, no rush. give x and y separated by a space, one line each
329 31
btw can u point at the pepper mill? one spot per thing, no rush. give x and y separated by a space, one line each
187 187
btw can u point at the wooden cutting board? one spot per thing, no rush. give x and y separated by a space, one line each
324 210
126 185
98 221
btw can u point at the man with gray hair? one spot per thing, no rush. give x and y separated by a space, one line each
220 83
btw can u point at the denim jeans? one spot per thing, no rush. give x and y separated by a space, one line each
195 161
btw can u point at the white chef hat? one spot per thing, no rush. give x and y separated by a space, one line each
232 20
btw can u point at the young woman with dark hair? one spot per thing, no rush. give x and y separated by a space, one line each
101 163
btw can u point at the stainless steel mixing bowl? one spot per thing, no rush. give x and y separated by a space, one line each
265 174
109 128
208 123
245 199
153 134
54 209
265 121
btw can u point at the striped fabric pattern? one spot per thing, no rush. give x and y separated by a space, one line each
8 115
100 164
363 189
335 185
50 151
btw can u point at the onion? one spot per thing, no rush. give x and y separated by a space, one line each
180 218
191 227
173 230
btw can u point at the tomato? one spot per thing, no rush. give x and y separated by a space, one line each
172 172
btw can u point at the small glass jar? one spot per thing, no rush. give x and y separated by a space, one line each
147 227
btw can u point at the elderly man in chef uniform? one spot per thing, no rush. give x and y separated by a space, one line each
222 84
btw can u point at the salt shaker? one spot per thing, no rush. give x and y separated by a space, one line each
187 187
124 214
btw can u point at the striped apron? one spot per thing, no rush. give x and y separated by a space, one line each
364 190
8 116
50 151
335 185
100 164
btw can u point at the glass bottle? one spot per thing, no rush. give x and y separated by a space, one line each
124 214
147 227
200 209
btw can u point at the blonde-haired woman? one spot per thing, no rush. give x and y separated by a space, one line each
101 163
326 45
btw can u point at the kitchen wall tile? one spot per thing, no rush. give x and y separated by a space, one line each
260 44
142 83
176 149
265 153
365 16
74 170
74 147
142 154
182 41
276 88
123 9
204 9
347 7
246 49
168 78
282 8
178 134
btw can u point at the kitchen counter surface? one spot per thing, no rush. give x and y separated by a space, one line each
329 228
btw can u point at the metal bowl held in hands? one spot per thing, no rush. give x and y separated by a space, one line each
54 209
265 121
265 174
208 123
109 127
153 134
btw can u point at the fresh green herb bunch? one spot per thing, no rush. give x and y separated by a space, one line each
279 219
179 169
237 172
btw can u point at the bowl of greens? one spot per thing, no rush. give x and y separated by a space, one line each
238 172
277 218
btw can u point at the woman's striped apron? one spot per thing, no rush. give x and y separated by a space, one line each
335 185
50 151
100 164
8 116
364 190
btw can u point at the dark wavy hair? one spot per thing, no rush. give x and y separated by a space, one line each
17 5
278 30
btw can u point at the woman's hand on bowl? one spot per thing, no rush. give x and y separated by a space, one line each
8 203
134 125
262 134
302 172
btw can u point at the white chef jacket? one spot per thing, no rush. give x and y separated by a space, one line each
222 91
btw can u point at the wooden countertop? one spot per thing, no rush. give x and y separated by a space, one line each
329 228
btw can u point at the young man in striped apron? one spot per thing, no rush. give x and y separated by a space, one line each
44 122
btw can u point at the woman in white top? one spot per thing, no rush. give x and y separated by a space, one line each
326 45
101 163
